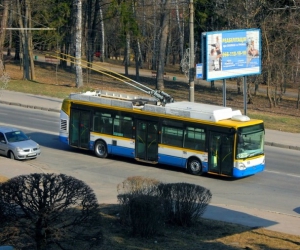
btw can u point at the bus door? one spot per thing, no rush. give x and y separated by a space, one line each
146 147
221 153
79 134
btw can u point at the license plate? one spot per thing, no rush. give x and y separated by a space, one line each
31 155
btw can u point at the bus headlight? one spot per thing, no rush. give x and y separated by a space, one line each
241 166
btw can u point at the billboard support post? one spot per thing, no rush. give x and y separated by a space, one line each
245 95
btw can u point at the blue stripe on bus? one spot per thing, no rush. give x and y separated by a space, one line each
63 139
171 160
248 171
204 167
122 151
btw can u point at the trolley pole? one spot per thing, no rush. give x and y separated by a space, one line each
192 54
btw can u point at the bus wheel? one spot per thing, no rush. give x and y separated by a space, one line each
194 166
101 149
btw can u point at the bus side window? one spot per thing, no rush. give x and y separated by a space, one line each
102 123
107 125
127 128
97 124
194 138
172 136
117 126
123 126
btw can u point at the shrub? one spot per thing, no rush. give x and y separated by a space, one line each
146 214
133 187
184 203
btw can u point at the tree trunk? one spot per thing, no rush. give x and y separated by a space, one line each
30 45
78 37
239 84
127 53
102 55
9 34
3 27
268 68
154 46
22 38
181 33
164 27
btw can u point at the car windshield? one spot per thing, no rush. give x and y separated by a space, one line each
16 136
250 142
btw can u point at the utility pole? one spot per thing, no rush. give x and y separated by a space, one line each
192 54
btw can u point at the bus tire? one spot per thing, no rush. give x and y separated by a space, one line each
101 149
194 166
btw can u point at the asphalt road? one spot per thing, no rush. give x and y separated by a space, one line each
276 189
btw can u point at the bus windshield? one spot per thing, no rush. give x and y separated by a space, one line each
250 142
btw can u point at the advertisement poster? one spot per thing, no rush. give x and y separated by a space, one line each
233 53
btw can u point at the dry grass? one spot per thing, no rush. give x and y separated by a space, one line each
208 234
3 178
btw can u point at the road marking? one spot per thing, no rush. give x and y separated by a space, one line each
281 173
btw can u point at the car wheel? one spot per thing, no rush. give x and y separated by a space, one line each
194 166
101 149
11 155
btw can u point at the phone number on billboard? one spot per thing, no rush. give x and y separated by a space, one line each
234 53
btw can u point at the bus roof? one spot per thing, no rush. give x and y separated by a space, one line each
206 112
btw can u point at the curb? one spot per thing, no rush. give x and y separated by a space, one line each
30 106
274 144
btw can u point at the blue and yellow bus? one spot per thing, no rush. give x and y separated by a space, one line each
200 138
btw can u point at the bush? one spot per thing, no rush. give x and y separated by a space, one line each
184 203
132 187
146 214
146 204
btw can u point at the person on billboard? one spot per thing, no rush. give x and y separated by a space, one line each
252 51
216 55
217 50
215 60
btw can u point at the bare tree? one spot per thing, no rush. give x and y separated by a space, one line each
49 211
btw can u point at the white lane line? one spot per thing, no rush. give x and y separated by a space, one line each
281 173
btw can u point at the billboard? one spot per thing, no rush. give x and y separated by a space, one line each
231 53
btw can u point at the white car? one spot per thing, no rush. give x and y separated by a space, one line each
17 145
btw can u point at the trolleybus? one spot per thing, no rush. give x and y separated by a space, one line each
200 138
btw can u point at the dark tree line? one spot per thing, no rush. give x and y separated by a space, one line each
152 33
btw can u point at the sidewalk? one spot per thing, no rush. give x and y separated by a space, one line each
240 215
